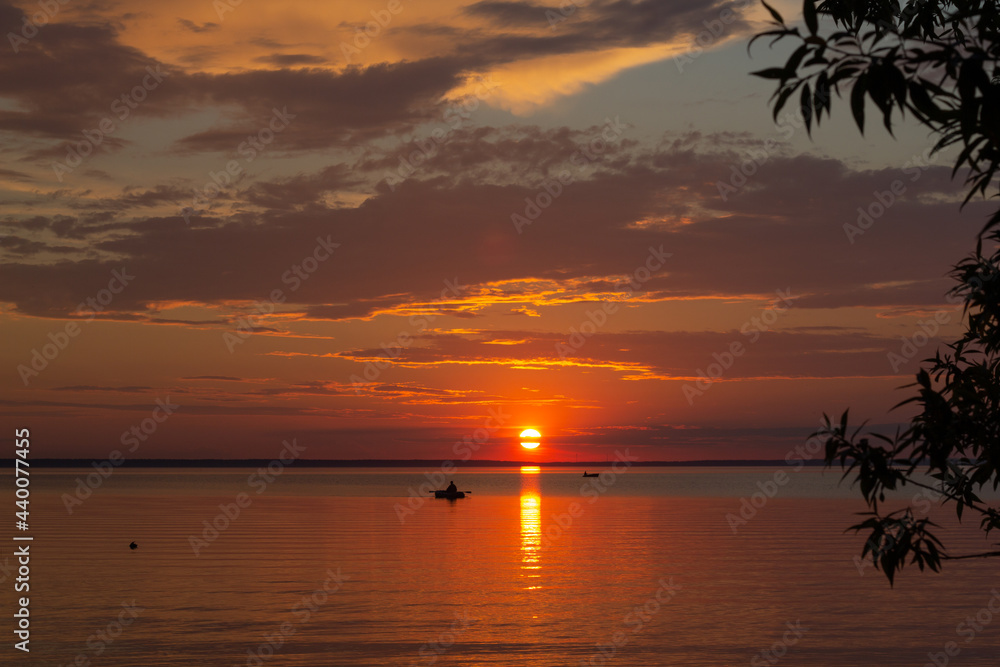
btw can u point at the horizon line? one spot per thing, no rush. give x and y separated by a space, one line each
217 462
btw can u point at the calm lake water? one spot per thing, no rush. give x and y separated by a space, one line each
324 567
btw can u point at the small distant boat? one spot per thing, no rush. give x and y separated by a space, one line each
450 495
591 474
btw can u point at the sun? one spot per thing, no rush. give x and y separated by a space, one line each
529 438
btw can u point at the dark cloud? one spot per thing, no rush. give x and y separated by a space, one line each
13 175
329 108
680 355
70 77
510 13
302 190
290 59
785 228
25 247
194 27
133 198
67 77
523 153
14 406
540 30
300 389
90 387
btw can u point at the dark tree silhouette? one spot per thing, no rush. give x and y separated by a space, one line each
929 59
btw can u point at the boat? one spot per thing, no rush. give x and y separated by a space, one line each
591 474
450 495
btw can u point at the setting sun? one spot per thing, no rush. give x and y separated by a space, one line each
529 438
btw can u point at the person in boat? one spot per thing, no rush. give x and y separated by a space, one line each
452 488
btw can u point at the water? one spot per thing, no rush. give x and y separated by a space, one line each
506 576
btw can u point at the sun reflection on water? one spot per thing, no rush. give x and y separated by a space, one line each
531 526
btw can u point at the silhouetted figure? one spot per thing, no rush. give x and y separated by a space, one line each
133 546
452 488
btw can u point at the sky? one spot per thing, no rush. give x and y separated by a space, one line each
384 228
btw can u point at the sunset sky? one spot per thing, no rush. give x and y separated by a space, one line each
376 241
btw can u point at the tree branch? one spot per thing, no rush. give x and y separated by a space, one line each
985 554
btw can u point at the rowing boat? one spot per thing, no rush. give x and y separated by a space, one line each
450 495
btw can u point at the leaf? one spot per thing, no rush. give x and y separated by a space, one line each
793 62
774 14
770 73
922 101
779 33
858 101
807 108
822 96
782 98
963 157
809 14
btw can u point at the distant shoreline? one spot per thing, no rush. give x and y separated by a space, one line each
400 463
